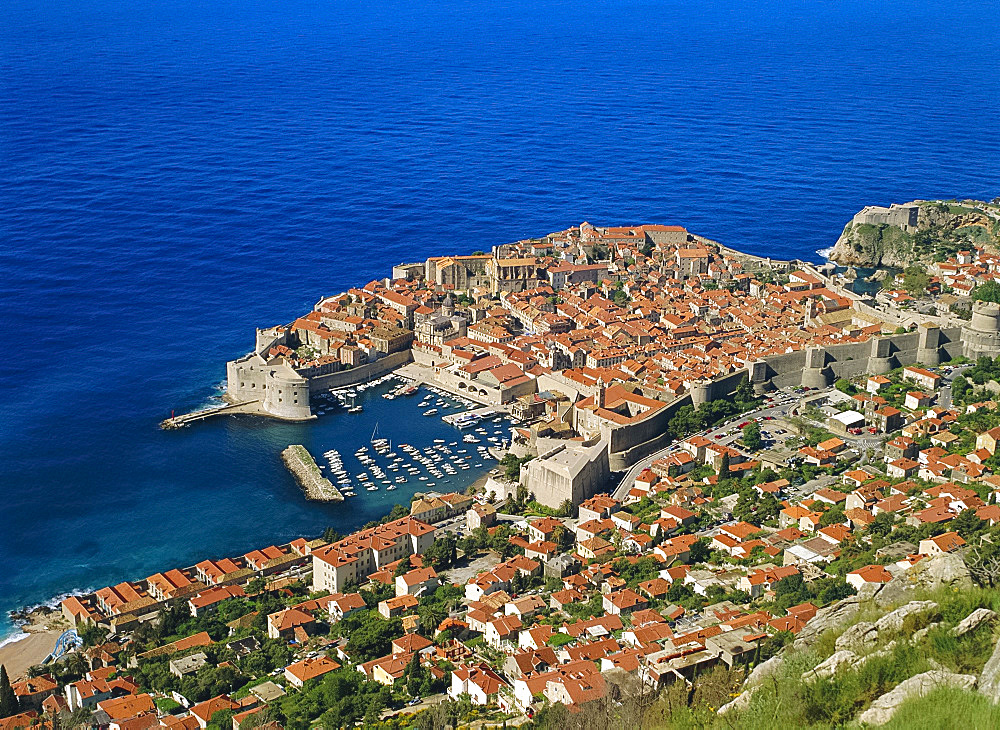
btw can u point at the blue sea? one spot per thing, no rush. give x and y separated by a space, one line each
173 175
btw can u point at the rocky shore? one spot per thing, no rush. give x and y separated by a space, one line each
303 467
35 642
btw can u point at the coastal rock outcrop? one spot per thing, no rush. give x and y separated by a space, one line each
901 235
882 709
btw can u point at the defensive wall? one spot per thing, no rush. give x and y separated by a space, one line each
816 367
360 373
281 392
628 444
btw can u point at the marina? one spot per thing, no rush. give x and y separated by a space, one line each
375 452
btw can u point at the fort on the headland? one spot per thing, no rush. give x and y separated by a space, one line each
900 216
595 337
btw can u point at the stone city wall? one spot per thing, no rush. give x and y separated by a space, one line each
361 373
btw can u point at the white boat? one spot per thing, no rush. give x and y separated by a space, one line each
389 489
355 409
373 488
431 412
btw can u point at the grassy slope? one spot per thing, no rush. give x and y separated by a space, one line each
787 701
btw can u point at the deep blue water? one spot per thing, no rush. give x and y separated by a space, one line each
174 174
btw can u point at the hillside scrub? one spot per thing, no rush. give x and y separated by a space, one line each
792 698
946 709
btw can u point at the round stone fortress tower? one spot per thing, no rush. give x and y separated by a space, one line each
981 336
816 374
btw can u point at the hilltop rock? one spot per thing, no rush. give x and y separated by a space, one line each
946 570
989 679
973 621
833 617
921 634
828 667
863 634
883 708
764 670
893 621
741 702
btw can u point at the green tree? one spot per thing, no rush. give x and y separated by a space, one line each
968 524
372 636
959 389
442 552
844 386
724 467
699 551
916 280
255 585
988 291
8 700
882 524
517 583
751 436
744 396
832 516
221 720
768 508
745 505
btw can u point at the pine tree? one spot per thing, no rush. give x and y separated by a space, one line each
8 700
724 467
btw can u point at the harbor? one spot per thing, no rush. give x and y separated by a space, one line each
446 448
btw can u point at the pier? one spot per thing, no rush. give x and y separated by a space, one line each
303 467
185 419
483 412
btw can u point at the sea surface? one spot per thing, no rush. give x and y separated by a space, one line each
173 175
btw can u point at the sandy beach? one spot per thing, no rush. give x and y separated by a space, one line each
42 632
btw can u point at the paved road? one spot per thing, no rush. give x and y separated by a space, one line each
944 398
780 405
426 702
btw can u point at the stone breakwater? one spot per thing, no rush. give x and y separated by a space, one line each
303 467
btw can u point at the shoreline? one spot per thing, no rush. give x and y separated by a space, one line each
33 641
32 638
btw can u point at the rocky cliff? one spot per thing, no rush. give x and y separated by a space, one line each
942 228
